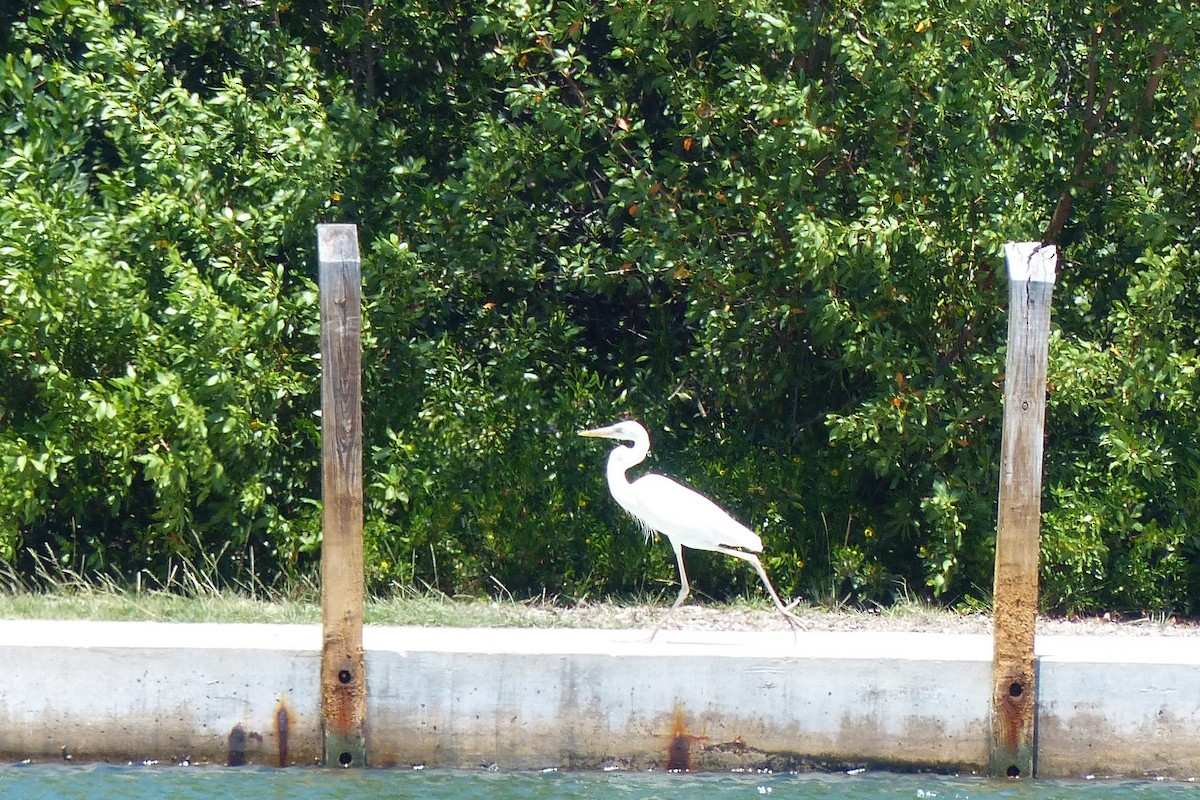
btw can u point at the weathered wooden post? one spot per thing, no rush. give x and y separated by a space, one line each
1031 268
343 679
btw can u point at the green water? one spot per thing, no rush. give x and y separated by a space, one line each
38 782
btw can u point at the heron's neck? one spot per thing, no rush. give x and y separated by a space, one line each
619 460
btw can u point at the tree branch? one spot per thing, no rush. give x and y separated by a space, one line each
1097 109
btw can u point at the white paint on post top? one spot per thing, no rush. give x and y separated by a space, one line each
337 242
1031 261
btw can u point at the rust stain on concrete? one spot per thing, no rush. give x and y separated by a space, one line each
679 750
283 718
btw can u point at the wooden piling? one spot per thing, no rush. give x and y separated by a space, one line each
1031 268
343 679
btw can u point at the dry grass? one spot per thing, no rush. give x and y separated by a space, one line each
192 595
188 596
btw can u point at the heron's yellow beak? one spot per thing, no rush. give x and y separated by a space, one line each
613 431
598 433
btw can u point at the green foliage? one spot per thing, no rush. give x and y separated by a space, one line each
771 232
162 166
775 235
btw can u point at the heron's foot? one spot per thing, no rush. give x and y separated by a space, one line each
794 622
662 623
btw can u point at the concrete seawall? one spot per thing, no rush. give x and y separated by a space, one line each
588 699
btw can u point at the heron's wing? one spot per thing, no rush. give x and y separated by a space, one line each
685 516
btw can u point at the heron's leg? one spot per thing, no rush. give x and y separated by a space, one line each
684 589
791 618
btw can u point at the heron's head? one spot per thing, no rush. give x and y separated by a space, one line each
623 431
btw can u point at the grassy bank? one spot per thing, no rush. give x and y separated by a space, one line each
232 607
191 593
108 601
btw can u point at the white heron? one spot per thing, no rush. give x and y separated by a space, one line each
684 516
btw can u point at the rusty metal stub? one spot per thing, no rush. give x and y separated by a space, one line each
679 749
237 742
